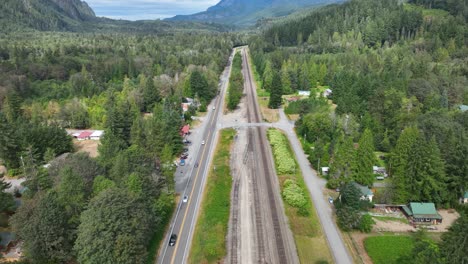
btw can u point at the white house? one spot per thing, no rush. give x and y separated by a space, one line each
304 93
366 193
96 135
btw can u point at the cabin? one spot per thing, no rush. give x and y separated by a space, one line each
422 213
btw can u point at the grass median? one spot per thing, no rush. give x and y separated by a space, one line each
311 244
208 245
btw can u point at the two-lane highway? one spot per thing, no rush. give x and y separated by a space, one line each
183 223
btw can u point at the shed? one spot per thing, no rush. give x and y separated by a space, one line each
464 200
463 108
422 213
96 135
327 92
325 170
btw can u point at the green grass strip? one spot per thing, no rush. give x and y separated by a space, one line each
208 245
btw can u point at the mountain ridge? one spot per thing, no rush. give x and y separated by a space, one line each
246 13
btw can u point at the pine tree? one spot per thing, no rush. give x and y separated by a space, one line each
398 162
341 166
365 159
276 92
9 143
425 173
151 95
268 77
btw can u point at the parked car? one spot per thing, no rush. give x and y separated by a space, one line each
185 199
330 200
172 240
182 162
214 108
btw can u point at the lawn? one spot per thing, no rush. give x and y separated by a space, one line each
208 244
388 248
311 244
389 218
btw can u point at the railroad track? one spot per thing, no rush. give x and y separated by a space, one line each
256 118
235 221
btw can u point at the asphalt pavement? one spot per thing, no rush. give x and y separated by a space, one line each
185 217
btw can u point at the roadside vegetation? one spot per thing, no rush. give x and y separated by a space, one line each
209 239
236 83
311 244
130 86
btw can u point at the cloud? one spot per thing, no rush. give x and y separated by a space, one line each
147 9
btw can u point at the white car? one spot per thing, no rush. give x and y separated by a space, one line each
214 108
203 142
185 199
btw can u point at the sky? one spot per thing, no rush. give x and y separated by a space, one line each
147 9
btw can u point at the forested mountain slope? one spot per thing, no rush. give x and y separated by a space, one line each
44 14
247 12
398 71
77 16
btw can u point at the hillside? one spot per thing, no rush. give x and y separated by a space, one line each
44 14
77 16
245 12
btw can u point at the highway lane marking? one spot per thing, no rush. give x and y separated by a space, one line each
191 191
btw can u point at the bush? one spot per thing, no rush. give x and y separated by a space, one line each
366 223
285 163
293 194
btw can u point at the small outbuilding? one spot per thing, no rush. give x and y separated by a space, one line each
84 135
325 170
464 199
304 93
422 213
185 130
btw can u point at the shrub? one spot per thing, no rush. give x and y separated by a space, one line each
366 223
293 194
285 163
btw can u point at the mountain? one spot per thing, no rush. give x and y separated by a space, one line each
247 12
49 15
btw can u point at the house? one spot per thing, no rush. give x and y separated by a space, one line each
304 93
84 135
464 199
463 108
96 135
325 170
327 93
366 193
422 213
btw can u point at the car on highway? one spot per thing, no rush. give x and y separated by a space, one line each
185 199
214 108
172 240
203 142
196 165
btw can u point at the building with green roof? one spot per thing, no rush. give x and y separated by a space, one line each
464 200
422 213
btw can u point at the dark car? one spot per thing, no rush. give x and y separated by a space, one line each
172 240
